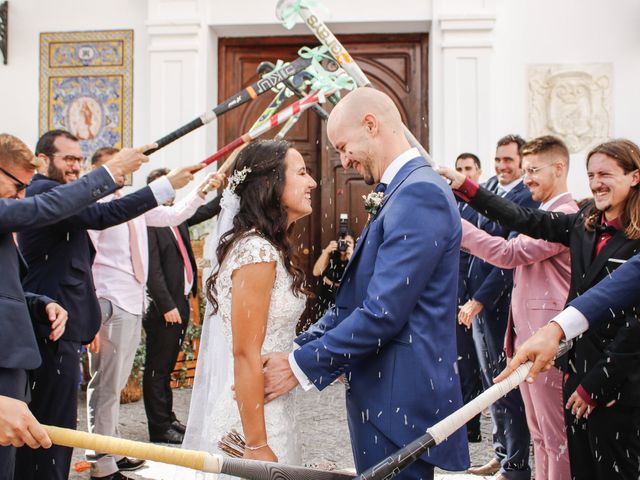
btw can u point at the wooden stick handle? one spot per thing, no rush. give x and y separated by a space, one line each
202 461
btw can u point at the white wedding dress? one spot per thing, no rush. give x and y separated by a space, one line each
221 412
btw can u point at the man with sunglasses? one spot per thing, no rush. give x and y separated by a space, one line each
18 347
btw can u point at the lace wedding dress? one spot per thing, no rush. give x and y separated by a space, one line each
218 411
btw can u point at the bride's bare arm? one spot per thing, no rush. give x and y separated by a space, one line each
251 294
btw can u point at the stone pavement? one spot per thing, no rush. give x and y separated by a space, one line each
326 422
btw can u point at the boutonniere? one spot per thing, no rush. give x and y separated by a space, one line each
372 202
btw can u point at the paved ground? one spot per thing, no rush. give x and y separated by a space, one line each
329 422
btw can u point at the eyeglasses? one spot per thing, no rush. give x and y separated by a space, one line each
70 159
20 185
533 171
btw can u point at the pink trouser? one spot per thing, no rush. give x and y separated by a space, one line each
545 416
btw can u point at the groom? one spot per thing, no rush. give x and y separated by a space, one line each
392 330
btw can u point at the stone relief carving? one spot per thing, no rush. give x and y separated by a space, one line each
572 102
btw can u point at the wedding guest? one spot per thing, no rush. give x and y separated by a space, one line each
18 346
602 388
540 287
489 290
171 283
468 366
59 256
120 270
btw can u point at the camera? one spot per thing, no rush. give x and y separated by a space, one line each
343 231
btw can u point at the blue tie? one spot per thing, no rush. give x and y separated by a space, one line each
380 188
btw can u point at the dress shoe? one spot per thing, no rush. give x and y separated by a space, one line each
170 436
179 427
126 464
113 476
490 468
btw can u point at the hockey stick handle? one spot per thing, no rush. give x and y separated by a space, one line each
247 94
203 461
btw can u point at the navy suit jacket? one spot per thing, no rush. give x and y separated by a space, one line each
471 216
488 284
392 331
618 291
18 348
60 256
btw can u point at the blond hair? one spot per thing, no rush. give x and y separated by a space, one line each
15 151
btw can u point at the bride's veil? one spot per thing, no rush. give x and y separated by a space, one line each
213 367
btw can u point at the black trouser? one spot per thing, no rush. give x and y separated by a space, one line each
54 402
469 371
163 344
14 383
606 445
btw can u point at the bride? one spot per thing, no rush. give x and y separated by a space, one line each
256 296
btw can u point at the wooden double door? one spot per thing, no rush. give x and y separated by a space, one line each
396 64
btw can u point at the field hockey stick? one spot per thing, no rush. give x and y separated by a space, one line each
288 10
203 461
246 95
276 120
267 67
395 463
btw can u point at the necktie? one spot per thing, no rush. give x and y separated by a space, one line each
380 188
500 191
185 256
136 258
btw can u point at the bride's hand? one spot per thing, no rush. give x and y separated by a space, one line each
265 454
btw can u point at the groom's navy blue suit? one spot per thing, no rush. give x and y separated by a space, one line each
392 332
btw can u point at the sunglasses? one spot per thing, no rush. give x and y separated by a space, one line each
20 185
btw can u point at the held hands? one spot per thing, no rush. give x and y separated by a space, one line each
58 317
578 406
213 181
179 177
18 426
468 311
455 178
172 316
128 160
540 348
278 376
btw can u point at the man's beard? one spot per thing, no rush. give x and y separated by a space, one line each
54 173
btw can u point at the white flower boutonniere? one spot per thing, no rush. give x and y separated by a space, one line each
372 202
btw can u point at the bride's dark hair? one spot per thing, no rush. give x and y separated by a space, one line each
261 209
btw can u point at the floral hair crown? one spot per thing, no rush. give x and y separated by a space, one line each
238 177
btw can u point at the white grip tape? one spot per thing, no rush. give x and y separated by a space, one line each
445 427
213 464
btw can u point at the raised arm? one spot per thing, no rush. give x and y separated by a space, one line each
55 204
507 253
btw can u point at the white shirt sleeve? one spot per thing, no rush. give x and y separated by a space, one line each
162 190
305 383
572 322
163 216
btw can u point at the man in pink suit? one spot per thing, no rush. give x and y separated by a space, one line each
540 287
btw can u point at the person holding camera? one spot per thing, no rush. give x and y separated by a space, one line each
329 267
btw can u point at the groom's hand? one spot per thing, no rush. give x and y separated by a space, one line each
278 376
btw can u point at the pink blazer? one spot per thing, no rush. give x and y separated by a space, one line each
542 272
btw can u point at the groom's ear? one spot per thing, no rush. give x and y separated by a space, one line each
370 123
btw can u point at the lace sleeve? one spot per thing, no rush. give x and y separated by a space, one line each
252 249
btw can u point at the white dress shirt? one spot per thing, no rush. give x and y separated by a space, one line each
387 177
112 268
